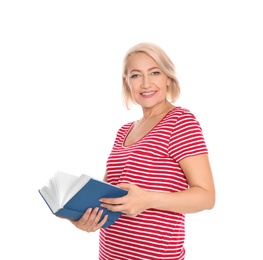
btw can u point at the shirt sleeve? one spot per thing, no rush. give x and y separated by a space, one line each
186 138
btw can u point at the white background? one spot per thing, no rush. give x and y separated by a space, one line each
61 105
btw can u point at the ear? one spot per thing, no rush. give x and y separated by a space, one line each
168 81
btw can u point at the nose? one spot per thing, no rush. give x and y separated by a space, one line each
146 82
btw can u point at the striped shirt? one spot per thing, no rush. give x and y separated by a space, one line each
152 164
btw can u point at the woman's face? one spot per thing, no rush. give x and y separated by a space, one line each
147 82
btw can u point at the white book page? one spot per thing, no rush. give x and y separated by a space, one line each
50 198
57 188
78 184
62 184
61 188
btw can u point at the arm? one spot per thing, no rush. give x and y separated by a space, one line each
200 195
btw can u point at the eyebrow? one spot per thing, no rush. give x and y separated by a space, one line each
153 68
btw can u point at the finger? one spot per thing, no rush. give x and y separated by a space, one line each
82 220
90 221
97 224
97 217
93 222
87 219
101 223
95 214
113 201
113 208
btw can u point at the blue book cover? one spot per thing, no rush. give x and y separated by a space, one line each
83 193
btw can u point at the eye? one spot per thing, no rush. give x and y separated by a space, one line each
155 73
135 76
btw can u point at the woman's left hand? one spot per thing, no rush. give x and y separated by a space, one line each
131 204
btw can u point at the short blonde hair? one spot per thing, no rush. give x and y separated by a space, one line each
163 61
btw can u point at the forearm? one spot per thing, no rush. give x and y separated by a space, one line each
192 200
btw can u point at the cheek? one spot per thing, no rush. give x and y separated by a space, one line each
130 85
162 84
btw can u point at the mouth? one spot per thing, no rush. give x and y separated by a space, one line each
148 94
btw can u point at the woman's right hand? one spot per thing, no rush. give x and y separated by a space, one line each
90 221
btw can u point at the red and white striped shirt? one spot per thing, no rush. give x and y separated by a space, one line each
152 164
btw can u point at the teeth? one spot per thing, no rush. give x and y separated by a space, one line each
147 94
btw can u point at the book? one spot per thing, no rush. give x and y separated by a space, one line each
69 196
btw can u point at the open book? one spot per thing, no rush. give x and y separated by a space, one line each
69 196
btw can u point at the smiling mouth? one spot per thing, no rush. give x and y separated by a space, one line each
146 94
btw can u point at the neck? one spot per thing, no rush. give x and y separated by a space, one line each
157 111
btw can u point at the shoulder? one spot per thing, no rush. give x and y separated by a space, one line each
124 128
180 113
178 110
122 132
181 118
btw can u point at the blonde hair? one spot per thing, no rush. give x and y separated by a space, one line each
163 61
